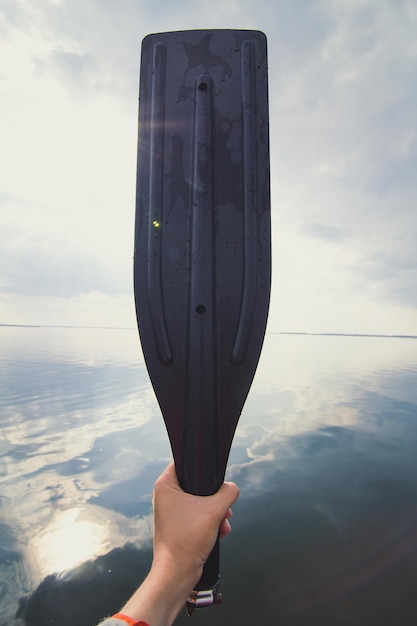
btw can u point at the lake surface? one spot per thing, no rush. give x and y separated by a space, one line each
325 455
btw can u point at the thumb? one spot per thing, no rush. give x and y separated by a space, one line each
226 497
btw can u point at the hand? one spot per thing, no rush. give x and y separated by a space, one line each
187 526
186 529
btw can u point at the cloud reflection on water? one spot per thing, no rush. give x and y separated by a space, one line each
304 383
332 522
324 454
69 540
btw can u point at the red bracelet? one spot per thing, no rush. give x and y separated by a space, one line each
129 620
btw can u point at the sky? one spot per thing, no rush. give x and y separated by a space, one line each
343 133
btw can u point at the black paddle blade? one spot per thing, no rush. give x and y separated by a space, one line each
202 262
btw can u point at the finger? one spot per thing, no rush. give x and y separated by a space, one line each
168 478
229 514
224 529
229 492
169 473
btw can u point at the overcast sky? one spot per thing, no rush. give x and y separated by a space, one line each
343 121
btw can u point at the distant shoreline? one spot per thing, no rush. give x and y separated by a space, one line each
66 326
22 325
373 335
282 332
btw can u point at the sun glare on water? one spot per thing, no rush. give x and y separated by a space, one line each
68 541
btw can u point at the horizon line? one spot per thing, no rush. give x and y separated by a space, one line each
272 332
322 334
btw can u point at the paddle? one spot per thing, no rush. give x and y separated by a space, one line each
202 262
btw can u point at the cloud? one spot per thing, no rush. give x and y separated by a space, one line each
343 137
59 267
384 266
80 72
324 232
93 48
63 271
343 124
350 98
11 16
390 273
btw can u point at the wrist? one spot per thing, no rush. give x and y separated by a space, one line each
163 594
177 570
128 620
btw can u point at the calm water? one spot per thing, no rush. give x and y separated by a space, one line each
325 530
